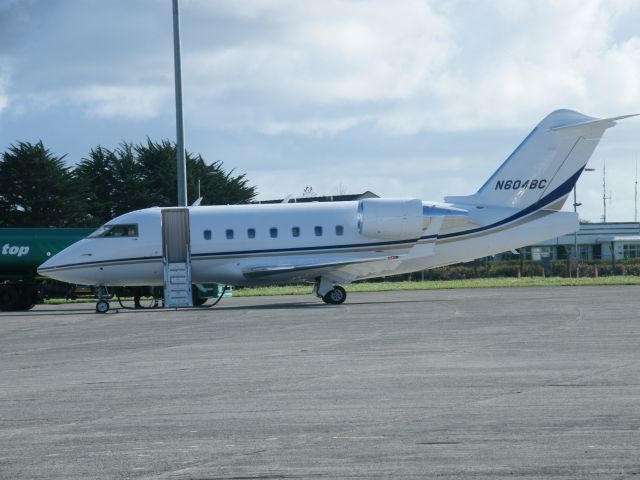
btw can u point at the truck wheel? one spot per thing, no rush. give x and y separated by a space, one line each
28 298
9 298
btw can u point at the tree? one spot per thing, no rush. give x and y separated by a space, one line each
158 173
36 189
95 182
157 163
217 187
127 192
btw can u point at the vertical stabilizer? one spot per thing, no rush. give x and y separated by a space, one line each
544 168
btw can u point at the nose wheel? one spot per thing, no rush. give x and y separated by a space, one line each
102 306
335 296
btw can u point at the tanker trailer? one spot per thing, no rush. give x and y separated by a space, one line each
22 250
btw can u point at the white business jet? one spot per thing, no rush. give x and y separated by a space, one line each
335 243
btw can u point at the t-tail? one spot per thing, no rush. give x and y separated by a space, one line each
545 167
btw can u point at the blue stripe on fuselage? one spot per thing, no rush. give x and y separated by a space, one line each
562 190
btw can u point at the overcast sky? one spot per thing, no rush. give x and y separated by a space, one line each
404 98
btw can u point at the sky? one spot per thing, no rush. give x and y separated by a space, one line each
411 98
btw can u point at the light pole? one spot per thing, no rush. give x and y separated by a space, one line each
575 234
182 166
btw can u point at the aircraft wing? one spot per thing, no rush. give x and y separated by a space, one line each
259 272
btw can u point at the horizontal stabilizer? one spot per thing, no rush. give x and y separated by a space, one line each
596 122
439 210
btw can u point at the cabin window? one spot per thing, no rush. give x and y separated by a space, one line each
251 232
339 230
318 230
229 233
273 232
207 234
129 230
295 231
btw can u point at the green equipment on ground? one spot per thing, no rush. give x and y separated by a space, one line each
22 250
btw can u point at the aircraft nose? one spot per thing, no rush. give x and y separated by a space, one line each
42 268
48 267
50 262
57 267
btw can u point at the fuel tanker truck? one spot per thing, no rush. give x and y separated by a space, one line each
22 250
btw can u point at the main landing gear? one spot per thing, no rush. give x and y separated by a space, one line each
335 296
330 293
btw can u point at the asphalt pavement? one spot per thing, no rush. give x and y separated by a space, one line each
480 383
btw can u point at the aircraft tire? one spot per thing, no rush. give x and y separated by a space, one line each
336 296
102 306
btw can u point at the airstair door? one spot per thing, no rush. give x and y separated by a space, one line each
176 257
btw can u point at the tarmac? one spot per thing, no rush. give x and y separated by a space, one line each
481 383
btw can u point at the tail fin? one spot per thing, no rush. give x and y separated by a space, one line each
544 168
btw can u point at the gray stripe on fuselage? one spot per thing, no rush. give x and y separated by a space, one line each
534 216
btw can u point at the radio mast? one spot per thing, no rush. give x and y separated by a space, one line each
604 191
635 211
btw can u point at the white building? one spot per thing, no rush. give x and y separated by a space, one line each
596 241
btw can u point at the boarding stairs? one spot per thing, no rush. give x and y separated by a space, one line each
176 258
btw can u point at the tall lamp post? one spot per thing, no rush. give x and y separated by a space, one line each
576 256
182 166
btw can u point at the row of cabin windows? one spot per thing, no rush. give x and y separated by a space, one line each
273 232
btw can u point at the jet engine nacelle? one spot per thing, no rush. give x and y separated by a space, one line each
390 218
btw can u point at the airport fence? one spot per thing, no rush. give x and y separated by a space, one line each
528 268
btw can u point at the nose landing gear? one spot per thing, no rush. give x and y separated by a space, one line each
102 306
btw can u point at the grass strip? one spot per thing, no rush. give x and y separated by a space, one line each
447 284
502 282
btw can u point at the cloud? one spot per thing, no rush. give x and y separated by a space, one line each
556 54
314 128
135 102
539 57
420 66
304 67
377 90
4 100
337 52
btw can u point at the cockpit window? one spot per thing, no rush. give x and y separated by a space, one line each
104 231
